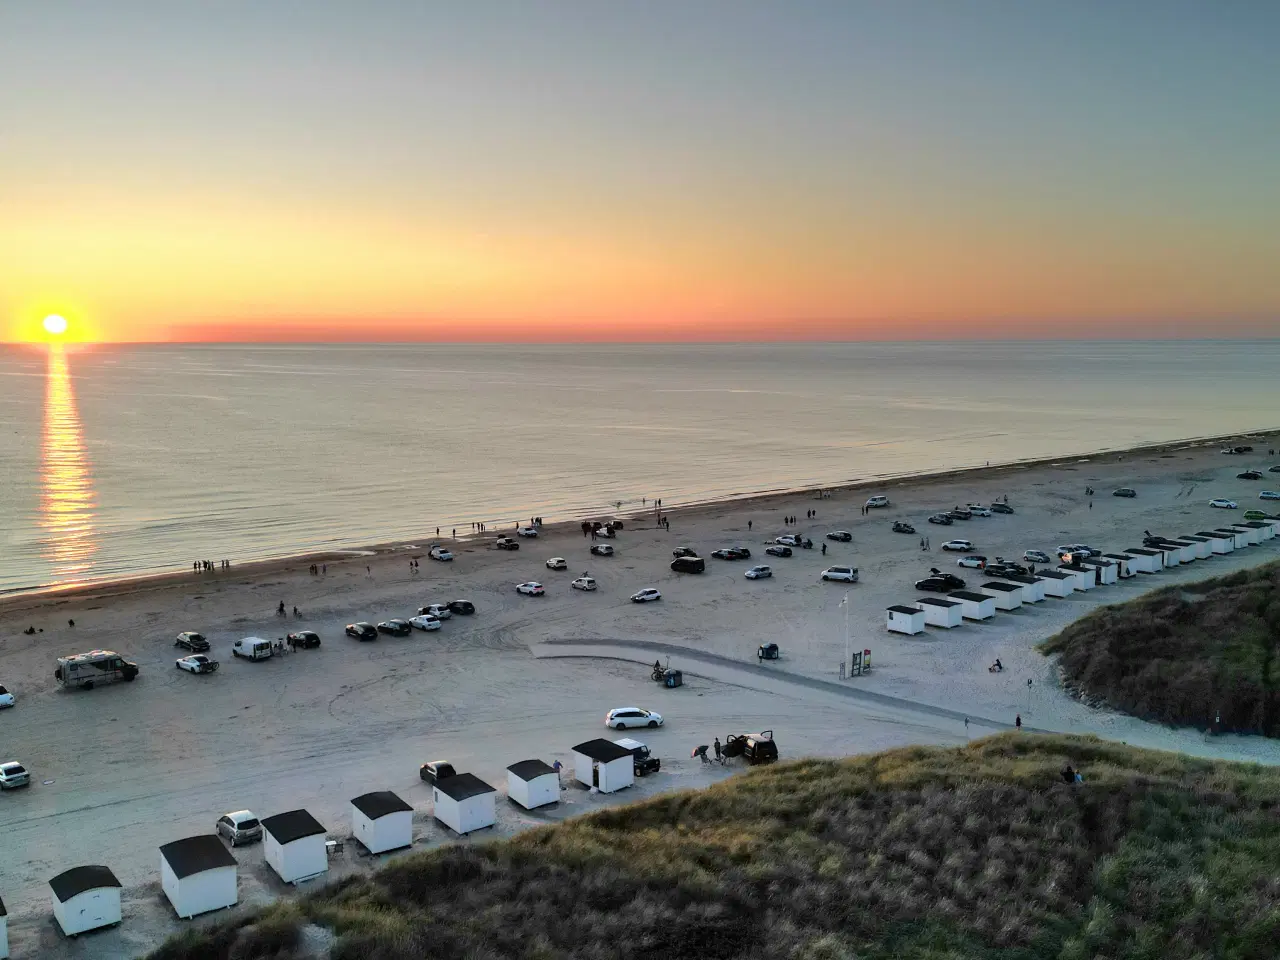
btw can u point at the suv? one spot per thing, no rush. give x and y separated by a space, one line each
434 771
361 631
1124 492
840 536
687 564
940 583
644 761
506 543
684 552
190 640
846 574
755 748
877 501
13 774
240 826
1001 508
901 527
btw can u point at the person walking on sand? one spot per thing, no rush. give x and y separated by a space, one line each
824 549
280 609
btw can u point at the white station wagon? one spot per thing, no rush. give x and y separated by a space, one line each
845 574
620 718
1222 503
962 545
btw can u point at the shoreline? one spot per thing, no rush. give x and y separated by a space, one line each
52 595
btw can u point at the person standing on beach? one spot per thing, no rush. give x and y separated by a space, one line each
719 758
1017 721
748 524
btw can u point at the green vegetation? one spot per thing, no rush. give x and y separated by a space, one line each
974 852
1185 655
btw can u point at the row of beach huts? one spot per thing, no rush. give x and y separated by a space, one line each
1009 592
199 874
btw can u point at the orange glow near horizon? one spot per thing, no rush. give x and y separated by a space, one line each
67 501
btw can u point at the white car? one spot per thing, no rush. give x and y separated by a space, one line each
1222 504
526 531
961 545
557 563
620 718
440 611
789 540
530 589
846 574
601 550
6 698
978 510
647 595
877 501
1036 556
440 553
13 774
1269 495
425 623
584 583
197 663
759 572
975 562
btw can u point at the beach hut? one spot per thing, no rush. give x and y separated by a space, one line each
1219 542
1145 560
1057 583
1104 569
1203 549
1266 530
464 803
1186 550
1238 539
382 821
4 932
1124 564
532 783
941 613
198 874
907 620
974 606
1008 596
293 844
86 898
1032 586
1085 578
1252 534
604 765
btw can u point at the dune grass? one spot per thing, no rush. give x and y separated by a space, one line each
975 852
1185 655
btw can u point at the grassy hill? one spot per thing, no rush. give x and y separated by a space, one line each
1183 654
975 852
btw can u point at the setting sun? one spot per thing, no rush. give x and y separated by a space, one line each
55 325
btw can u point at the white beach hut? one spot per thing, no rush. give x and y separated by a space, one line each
464 803
1032 587
4 932
86 898
1085 578
1186 550
1124 564
1057 583
198 875
1145 560
1201 544
604 765
909 620
941 613
532 783
1104 569
293 845
974 606
1266 530
1219 542
1251 534
1237 538
382 821
1008 596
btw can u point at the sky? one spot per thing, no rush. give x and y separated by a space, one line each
587 170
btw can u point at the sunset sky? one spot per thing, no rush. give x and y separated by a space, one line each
602 169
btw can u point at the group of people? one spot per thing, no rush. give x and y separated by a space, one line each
476 527
280 611
791 521
701 752
206 566
316 569
413 566
924 543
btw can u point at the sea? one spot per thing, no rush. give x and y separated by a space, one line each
119 461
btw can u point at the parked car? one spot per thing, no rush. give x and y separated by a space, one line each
425 622
607 532
643 762
441 611
238 827
1249 475
190 640
877 501
1078 550
732 553
13 775
647 595
759 572
959 545
901 527
584 583
531 588
940 583
1000 567
778 551
1001 508
305 639
978 510
602 550
395 627
1036 556
440 553
789 540
1222 503
252 648
506 543
1255 515
526 531
974 560
1275 469
842 574
688 564
941 519
361 631
684 552
6 698
840 536
1269 495
620 718
464 608
1124 492
433 771
557 563
198 663
959 513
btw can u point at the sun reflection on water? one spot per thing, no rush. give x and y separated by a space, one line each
66 482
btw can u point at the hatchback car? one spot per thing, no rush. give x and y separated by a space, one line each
978 510
840 536
1036 556
531 588
877 501
306 639
6 698
1221 503
1249 475
1128 492
732 553
960 513
759 572
943 583
842 574
941 519
647 595
361 631
1255 515
440 553
961 545
441 611
425 623
620 718
1001 508
601 550
684 552
778 551
557 563
688 565
975 561
13 775
190 640
238 827
584 583
1269 495
464 608
395 627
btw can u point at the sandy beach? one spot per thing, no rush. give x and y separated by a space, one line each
119 770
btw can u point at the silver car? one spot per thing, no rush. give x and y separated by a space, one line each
239 827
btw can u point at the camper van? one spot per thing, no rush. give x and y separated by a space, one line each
252 648
86 670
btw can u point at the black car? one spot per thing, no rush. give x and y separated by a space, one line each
959 514
434 771
840 536
1005 568
362 631
687 564
684 552
306 639
397 628
506 543
1275 469
732 553
1001 508
940 582
190 640
464 608
1124 492
1249 475
778 551
900 527
942 519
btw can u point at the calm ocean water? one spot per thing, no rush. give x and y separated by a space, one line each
117 461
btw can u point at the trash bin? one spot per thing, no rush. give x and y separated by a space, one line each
674 678
767 651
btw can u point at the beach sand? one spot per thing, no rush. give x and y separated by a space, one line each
119 770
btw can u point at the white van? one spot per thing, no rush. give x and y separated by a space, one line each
252 648
85 670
